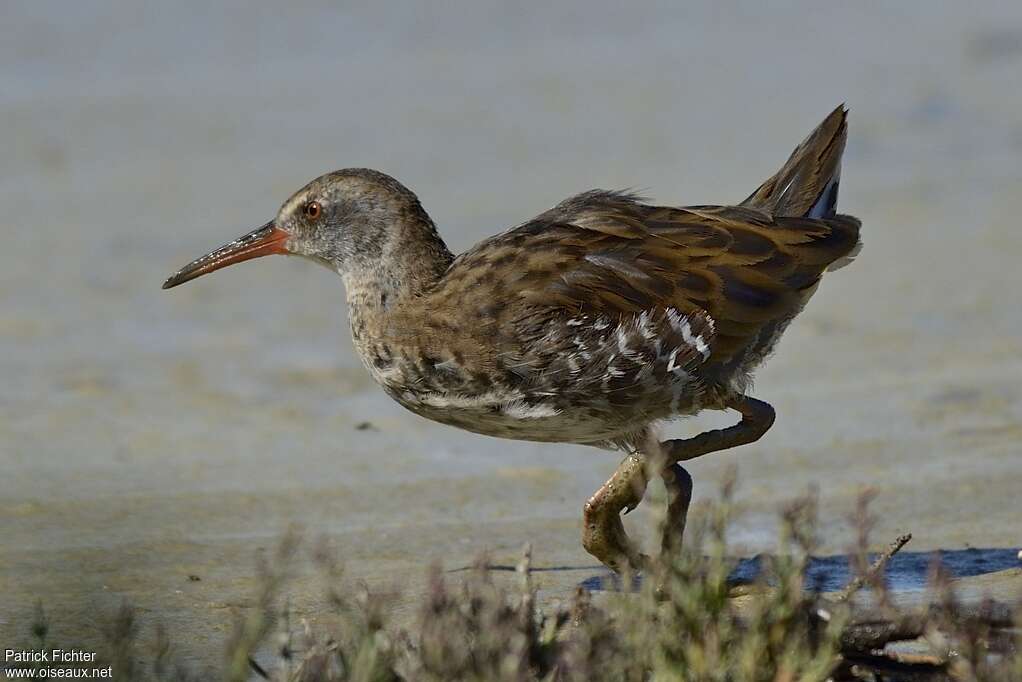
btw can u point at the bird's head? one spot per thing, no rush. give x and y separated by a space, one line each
348 220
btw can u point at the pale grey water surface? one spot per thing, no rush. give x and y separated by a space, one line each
146 435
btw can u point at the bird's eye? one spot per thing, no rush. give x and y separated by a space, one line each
312 210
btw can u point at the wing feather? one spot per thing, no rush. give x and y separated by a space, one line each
607 254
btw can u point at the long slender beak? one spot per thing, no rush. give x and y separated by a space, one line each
266 240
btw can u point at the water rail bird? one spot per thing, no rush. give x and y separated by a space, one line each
591 323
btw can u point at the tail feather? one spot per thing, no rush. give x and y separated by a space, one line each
807 184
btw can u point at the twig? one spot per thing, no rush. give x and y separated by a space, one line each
878 566
258 669
873 634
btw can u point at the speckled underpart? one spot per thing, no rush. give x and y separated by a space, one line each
588 379
590 323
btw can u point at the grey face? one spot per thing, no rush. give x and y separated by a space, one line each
344 220
347 220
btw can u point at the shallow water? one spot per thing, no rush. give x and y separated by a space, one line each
906 571
905 574
146 436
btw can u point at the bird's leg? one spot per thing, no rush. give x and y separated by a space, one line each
757 417
678 482
603 534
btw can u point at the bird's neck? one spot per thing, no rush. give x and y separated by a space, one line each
407 268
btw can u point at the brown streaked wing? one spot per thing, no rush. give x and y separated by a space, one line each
608 254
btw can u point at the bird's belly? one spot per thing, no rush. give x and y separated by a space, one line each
572 426
544 421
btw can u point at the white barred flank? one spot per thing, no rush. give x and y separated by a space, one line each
681 325
511 404
671 360
644 327
585 377
518 409
633 338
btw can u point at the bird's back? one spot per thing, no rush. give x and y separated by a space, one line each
608 254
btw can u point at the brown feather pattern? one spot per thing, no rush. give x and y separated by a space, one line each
513 321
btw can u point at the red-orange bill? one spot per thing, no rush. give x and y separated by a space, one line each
266 240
